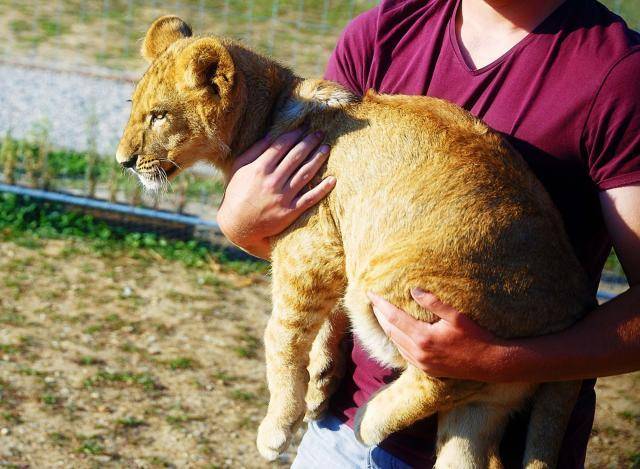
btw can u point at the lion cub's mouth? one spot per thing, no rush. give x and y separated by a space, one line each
158 178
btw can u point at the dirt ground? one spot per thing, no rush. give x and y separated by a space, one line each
116 360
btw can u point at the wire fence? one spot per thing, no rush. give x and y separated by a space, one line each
105 34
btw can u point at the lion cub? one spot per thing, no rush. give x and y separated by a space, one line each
427 196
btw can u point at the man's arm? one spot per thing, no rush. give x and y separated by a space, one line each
605 342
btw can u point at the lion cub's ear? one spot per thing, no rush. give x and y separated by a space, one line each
207 63
161 34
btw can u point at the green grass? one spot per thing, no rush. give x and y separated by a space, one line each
130 422
91 446
181 419
105 378
241 395
249 346
23 219
182 363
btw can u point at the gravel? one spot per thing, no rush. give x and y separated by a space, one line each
66 103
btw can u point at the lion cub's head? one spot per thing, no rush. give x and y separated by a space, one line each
184 108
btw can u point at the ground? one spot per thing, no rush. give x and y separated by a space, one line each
113 359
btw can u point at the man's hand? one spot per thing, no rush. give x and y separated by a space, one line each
453 347
265 193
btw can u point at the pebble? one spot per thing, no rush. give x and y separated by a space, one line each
66 104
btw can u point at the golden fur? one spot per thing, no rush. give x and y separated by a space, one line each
427 196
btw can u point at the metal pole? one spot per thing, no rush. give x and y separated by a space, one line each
57 31
225 16
324 27
250 6
129 28
201 25
105 15
297 34
275 6
34 26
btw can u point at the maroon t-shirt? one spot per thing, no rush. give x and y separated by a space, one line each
567 97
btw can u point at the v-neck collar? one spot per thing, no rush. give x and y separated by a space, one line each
455 41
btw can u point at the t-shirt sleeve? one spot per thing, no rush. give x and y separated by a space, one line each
612 130
350 61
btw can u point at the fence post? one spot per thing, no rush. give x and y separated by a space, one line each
9 157
275 7
105 16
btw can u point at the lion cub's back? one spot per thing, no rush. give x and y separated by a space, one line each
428 196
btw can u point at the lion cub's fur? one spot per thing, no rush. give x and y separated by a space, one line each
427 196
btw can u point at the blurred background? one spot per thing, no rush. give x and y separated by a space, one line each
129 332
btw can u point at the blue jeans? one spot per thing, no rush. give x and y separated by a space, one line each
331 444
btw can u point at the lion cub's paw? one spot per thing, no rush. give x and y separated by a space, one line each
368 429
273 439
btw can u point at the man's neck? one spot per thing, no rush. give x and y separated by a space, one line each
489 28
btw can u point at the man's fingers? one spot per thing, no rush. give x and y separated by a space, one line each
280 147
313 196
431 303
397 324
252 153
307 171
297 157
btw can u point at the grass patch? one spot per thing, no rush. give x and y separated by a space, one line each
241 395
182 363
105 378
224 377
130 422
181 419
249 346
630 416
59 439
23 220
89 361
50 400
91 446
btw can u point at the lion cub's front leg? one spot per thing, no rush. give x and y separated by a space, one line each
308 273
327 363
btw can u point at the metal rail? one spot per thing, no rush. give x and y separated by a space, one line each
110 206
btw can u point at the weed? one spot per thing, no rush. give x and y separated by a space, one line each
179 420
249 347
59 439
50 400
242 395
89 361
104 378
91 446
630 416
182 363
130 422
224 377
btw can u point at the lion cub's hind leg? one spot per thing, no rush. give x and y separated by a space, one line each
327 362
412 397
469 435
308 274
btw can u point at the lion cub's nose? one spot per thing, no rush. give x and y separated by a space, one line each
131 162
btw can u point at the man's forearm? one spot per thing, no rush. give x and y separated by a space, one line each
606 342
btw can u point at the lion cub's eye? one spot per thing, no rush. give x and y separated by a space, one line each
157 116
